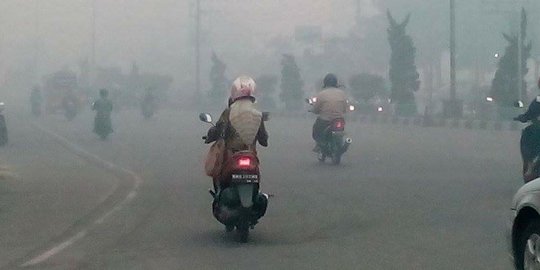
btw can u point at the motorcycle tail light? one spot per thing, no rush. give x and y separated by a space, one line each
339 124
244 162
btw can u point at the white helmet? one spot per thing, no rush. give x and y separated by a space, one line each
243 86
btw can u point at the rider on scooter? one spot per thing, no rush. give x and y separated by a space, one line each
240 126
530 141
330 104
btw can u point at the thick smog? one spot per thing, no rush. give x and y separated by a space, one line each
270 134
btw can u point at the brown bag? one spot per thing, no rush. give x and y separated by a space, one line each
214 158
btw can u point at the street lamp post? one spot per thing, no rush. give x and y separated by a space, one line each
452 50
93 48
520 53
197 48
453 107
37 41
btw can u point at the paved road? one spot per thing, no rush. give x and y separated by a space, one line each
54 191
404 198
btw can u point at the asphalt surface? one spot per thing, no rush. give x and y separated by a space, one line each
404 198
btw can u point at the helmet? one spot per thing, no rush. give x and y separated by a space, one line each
243 86
2 106
330 80
532 112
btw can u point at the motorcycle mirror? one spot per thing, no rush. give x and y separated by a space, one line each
518 104
311 100
205 117
265 116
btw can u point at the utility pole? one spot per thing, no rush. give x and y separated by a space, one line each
37 41
452 51
93 49
198 48
520 54
453 107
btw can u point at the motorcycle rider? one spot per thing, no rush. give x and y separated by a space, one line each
35 101
70 105
148 103
103 107
3 126
330 104
241 126
530 141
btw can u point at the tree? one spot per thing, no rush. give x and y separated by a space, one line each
291 83
266 86
217 93
504 85
403 74
365 86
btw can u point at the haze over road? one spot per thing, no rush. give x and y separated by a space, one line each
404 198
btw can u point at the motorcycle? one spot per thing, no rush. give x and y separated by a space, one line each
237 200
70 107
103 126
36 109
334 142
148 109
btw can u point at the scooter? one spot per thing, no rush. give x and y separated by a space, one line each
148 109
334 143
70 109
237 200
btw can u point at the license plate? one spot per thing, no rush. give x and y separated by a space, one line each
245 178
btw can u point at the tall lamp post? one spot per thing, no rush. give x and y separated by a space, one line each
520 52
93 46
198 49
452 50
453 106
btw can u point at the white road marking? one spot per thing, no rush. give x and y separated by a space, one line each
55 250
81 234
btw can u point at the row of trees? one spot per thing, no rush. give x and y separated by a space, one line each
403 75
363 86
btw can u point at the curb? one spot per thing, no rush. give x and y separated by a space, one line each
420 121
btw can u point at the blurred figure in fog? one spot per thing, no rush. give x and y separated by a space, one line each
35 101
103 107
70 104
330 104
3 126
530 141
148 103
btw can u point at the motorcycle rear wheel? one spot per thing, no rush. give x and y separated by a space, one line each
336 159
321 157
243 233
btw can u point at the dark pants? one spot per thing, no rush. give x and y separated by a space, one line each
318 129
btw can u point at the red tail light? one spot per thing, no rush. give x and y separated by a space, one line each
339 124
244 162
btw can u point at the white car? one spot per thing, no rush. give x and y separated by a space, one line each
524 234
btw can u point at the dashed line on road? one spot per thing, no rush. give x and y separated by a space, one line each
58 247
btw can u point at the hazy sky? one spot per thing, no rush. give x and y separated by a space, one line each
155 33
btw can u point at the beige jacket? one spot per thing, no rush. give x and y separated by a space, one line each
331 104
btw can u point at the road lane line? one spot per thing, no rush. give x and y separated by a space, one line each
52 251
55 250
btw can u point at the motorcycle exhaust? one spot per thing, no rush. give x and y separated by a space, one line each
346 144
